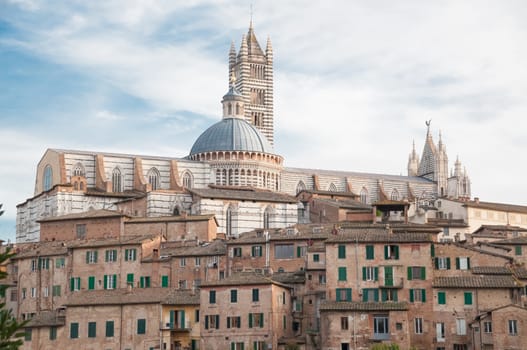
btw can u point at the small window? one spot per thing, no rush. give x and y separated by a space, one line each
513 327
48 178
212 297
81 231
316 258
487 327
370 253
234 295
237 252
417 295
182 262
52 333
418 325
343 294
141 326
154 178
391 252
74 330
284 251
518 250
462 263
130 254
117 180
342 251
344 323
416 273
91 257
256 295
111 255
468 298
109 329
92 329
256 320
380 327
461 326
342 274
441 298
28 334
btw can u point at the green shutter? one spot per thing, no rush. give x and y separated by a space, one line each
126 255
141 282
182 315
72 284
107 255
114 282
423 295
337 296
91 282
250 320
411 295
233 346
261 320
386 252
217 321
141 326
87 257
376 273
207 322
348 294
370 252
228 322
409 269
342 273
92 329
298 252
364 273
74 330
109 328
468 298
95 256
396 250
365 295
436 263
376 295
164 281
384 294
342 251
468 263
130 279
395 296
518 250
172 315
457 263
423 273
448 263
441 298
105 281
432 250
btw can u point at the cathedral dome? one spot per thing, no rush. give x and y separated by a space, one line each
231 134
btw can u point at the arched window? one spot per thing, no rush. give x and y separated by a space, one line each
237 109
76 186
117 180
228 222
48 178
81 186
78 170
154 178
267 218
187 180
395 195
230 109
364 195
300 187
332 187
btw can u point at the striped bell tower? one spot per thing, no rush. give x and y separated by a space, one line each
253 70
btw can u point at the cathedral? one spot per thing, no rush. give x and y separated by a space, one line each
231 171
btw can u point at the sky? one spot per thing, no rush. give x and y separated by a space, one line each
355 82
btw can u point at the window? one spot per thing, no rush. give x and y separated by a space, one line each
394 195
237 346
48 178
130 279
197 261
417 295
27 334
92 329
34 265
196 283
91 282
342 274
74 330
518 250
256 295
391 252
344 324
370 253
141 326
212 297
284 251
316 257
461 326
110 281
441 298
91 257
182 262
487 327
234 322
164 281
153 178
462 263
259 345
187 180
380 327
117 180
468 298
416 273
342 252
237 252
196 315
45 292
182 284
300 187
513 327
343 294
322 278
364 195
60 263
14 295
256 320
80 231
234 295
460 347
78 170
130 254
440 331
212 321
33 292
370 273
442 263
418 325
24 293
301 251
52 333
111 256
109 329
43 263
144 282
389 295
370 294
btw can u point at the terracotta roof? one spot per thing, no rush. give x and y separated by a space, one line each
520 272
216 247
331 193
181 297
489 281
53 248
363 306
515 240
180 218
47 319
506 228
491 270
289 277
492 245
90 214
496 206
120 296
244 195
243 278
124 195
346 204
278 235
380 236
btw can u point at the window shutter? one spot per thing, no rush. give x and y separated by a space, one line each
228 322
337 296
384 295
91 282
423 295
376 295
441 298
457 263
106 255
298 252
105 281
423 273
72 284
365 295
164 281
396 249
217 321
232 346
141 282
436 263
250 320
411 295
172 317
386 252
207 322
126 255
182 313
348 294
448 263
364 273
261 320
395 298
432 250
87 257
376 273
114 282
468 263
409 269
95 255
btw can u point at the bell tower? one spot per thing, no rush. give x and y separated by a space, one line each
253 70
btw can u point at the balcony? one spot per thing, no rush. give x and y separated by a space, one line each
396 283
174 327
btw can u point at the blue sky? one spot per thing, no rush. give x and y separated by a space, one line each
354 83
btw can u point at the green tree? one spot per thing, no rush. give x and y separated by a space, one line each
11 331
